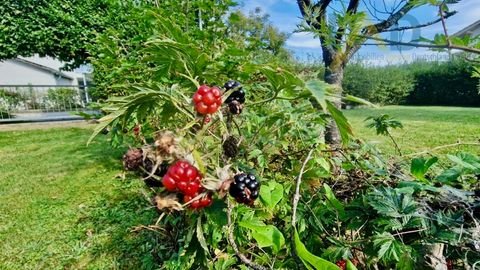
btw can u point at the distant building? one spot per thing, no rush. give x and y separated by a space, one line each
37 71
472 30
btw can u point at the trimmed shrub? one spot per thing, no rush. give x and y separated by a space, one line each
448 84
420 83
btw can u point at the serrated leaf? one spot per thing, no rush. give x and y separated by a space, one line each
309 260
271 194
333 201
265 235
318 90
467 161
406 262
420 166
343 125
200 236
449 175
255 153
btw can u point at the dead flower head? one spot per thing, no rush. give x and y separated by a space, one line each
166 143
167 203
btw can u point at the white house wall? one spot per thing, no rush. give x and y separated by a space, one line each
17 73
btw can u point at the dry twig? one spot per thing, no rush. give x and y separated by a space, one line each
231 241
296 198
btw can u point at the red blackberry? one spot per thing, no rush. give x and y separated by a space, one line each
202 202
207 99
245 188
184 177
342 264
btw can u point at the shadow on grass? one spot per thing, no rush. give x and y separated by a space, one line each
106 230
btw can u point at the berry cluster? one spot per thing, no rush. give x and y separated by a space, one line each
184 177
230 148
342 264
237 98
134 160
207 99
148 165
245 188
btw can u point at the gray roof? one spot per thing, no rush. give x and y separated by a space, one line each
468 30
42 67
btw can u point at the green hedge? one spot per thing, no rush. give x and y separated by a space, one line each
448 83
420 83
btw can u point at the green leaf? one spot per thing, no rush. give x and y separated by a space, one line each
271 194
449 175
200 236
105 122
333 201
417 186
406 262
318 90
420 166
309 260
465 160
343 125
265 235
350 265
388 247
198 159
359 101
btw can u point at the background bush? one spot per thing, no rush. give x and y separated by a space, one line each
383 85
419 83
447 83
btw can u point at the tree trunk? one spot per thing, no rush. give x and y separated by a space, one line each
334 76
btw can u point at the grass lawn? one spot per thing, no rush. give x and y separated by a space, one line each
424 127
61 206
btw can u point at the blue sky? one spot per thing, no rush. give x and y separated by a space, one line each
285 15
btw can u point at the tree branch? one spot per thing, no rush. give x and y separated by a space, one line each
390 21
231 241
447 15
442 18
327 50
423 45
373 29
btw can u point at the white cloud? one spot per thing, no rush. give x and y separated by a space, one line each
303 40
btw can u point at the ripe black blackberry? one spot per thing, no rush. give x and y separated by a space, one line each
159 173
237 95
132 160
231 84
245 188
230 148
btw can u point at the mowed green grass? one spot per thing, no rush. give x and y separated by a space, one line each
61 206
424 127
